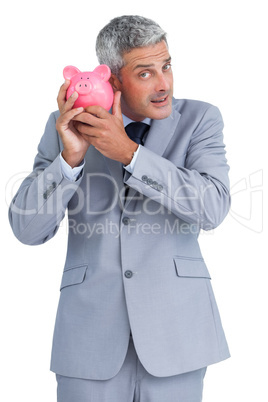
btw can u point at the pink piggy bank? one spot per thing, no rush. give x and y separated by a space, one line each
93 87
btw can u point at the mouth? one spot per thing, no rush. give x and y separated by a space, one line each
160 101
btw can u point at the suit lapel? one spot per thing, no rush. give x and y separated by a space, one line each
161 132
117 171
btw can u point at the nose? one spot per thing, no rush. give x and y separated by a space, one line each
162 83
83 87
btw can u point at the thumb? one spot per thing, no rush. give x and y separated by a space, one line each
117 105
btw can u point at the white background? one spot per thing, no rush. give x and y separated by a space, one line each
219 51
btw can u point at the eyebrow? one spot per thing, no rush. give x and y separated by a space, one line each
149 65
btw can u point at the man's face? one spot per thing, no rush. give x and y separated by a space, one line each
146 83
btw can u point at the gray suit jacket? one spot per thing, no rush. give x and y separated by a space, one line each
135 265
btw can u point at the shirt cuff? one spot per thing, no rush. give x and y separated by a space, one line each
130 167
69 172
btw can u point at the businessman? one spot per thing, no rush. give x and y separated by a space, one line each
137 319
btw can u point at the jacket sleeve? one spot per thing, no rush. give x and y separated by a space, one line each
197 190
40 203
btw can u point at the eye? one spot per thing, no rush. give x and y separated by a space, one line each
146 74
167 67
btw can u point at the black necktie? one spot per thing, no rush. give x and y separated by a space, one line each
136 131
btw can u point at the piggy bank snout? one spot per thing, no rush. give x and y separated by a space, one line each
83 87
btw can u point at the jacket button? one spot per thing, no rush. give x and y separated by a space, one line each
145 179
126 221
128 274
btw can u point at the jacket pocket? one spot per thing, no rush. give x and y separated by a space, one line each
188 267
73 276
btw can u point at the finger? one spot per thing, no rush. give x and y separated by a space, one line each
61 99
87 130
97 111
117 105
83 118
94 116
69 103
65 118
63 104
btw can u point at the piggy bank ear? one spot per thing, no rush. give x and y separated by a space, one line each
70 71
104 71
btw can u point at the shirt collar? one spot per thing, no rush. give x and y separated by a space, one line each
127 120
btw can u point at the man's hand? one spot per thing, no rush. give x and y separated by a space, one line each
106 131
75 145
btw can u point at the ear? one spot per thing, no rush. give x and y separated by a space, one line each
104 71
70 71
115 83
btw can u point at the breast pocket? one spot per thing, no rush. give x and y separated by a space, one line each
188 267
73 276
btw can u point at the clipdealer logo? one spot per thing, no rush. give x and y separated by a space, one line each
247 201
110 228
247 206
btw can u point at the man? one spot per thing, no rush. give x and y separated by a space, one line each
137 319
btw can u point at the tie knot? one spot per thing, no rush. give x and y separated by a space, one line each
136 131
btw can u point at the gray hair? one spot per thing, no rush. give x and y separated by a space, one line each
123 34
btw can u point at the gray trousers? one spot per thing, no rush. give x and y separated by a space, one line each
133 384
